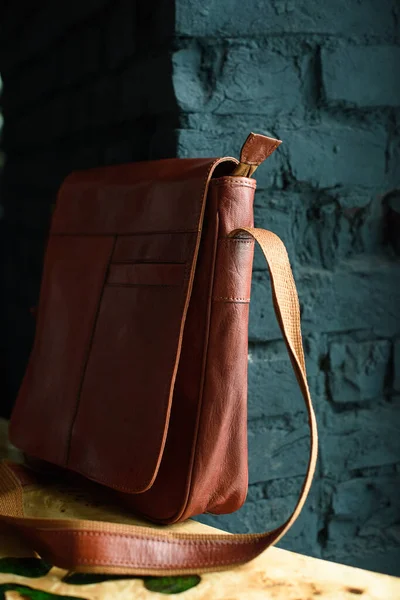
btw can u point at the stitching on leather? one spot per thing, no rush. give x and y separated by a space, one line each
250 144
131 285
235 181
232 184
237 240
189 543
203 563
149 262
231 539
230 298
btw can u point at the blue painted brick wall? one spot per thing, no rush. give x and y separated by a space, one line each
105 82
324 78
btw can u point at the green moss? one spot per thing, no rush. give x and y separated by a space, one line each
90 578
25 566
32 594
34 567
171 585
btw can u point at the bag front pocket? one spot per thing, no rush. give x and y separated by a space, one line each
74 273
126 392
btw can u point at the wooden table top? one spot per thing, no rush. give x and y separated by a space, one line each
276 574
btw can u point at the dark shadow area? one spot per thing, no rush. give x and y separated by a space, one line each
84 86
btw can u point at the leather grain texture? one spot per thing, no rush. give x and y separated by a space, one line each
111 319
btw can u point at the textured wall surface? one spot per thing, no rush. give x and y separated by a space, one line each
105 83
324 78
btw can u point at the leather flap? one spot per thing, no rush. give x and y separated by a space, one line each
117 280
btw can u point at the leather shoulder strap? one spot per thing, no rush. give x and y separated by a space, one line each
112 548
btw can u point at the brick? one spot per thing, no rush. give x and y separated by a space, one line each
284 441
264 515
377 495
236 80
197 143
333 227
190 89
342 17
272 385
361 75
281 213
255 492
396 366
358 370
394 162
249 81
359 439
327 237
361 295
273 389
314 227
364 215
253 516
327 155
364 526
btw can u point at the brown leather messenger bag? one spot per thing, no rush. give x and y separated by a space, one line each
137 379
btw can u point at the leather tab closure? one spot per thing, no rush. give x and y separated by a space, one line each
255 150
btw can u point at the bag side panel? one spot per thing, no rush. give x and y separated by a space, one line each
220 471
204 466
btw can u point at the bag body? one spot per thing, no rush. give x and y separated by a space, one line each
137 379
